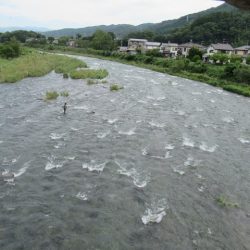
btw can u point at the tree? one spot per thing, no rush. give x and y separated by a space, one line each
51 39
194 54
10 49
102 41
220 58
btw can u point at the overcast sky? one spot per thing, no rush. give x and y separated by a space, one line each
81 13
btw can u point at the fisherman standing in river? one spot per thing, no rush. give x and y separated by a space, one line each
64 108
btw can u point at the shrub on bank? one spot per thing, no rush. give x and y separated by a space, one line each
51 95
64 93
89 73
10 49
115 87
239 89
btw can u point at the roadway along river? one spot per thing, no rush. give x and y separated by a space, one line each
142 172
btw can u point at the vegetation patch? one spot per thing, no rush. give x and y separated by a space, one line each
91 82
65 75
35 64
226 202
51 95
89 73
115 87
64 93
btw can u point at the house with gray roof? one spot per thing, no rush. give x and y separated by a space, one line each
185 48
152 45
242 51
224 48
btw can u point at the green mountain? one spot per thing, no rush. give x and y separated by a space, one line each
121 30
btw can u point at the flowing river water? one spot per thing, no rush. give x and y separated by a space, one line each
140 168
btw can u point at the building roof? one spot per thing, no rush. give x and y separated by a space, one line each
169 45
153 44
222 46
246 47
137 40
191 45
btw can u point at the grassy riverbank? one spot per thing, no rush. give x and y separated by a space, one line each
231 77
34 64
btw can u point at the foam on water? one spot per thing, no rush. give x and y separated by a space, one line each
55 136
212 101
167 155
244 141
169 147
82 196
22 170
59 145
155 212
140 180
196 93
70 158
144 151
51 164
81 108
150 97
103 135
112 121
228 119
74 129
141 101
156 124
130 132
7 162
199 110
187 142
181 112
161 98
93 166
178 170
205 147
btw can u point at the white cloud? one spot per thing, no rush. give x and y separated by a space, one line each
81 13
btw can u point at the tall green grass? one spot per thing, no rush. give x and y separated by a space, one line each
89 73
34 65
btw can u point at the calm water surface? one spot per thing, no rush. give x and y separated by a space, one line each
142 171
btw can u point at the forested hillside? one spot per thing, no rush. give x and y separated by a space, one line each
232 27
122 30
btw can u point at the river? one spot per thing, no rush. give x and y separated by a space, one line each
140 168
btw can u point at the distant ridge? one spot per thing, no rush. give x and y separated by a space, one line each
122 30
28 28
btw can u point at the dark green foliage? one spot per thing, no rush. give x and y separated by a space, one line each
65 75
220 58
194 54
154 52
20 36
10 49
229 71
102 41
197 67
242 74
248 60
233 27
51 39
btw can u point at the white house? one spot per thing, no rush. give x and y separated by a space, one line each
224 48
152 45
136 44
169 49
185 47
